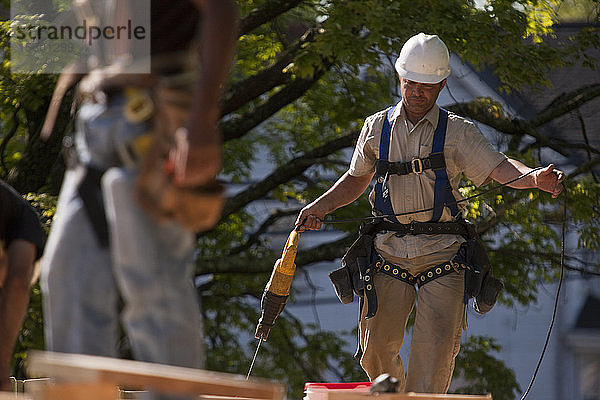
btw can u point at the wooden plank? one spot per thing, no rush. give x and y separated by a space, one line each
135 374
14 396
77 391
226 398
347 395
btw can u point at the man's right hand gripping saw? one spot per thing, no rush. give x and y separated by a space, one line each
347 189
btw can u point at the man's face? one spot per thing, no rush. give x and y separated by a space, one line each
418 98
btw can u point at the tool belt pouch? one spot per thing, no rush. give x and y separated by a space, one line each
479 282
197 209
347 280
474 256
490 290
342 284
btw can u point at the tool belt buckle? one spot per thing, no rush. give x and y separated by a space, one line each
417 165
411 228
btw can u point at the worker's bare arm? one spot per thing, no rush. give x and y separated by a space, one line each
197 156
14 298
547 179
347 189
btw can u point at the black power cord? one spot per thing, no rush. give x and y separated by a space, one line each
560 280
339 221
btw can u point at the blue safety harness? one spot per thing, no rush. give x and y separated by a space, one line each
382 206
443 196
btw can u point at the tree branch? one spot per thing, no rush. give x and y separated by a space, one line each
267 12
560 106
266 79
237 127
510 126
253 238
326 252
585 167
286 172
239 263
565 103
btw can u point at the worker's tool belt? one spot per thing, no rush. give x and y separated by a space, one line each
167 108
198 208
397 272
361 262
424 277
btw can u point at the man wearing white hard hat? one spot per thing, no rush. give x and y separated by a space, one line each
417 153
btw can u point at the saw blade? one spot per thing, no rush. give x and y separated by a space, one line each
254 358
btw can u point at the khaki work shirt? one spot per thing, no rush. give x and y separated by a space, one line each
466 152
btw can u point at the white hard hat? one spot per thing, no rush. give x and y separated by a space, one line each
424 58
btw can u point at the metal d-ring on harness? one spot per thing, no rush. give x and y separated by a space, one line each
383 207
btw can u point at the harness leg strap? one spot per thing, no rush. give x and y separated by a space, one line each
370 293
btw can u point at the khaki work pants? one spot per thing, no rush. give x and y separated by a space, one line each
436 334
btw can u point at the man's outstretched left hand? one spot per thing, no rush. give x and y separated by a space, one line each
549 180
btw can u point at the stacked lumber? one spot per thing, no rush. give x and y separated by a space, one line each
78 376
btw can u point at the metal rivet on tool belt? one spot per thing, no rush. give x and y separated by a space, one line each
429 274
369 287
395 271
367 278
438 271
422 278
447 267
378 264
386 267
403 275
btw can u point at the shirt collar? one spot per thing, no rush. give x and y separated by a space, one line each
432 115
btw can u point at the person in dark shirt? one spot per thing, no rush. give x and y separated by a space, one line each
22 242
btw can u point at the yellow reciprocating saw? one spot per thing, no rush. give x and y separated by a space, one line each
276 292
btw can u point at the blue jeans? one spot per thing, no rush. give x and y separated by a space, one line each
147 264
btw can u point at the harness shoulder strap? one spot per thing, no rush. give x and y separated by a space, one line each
382 204
442 191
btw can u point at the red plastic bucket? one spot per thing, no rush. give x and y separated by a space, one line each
318 390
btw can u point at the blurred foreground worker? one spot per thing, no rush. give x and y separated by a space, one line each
104 247
21 244
417 153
